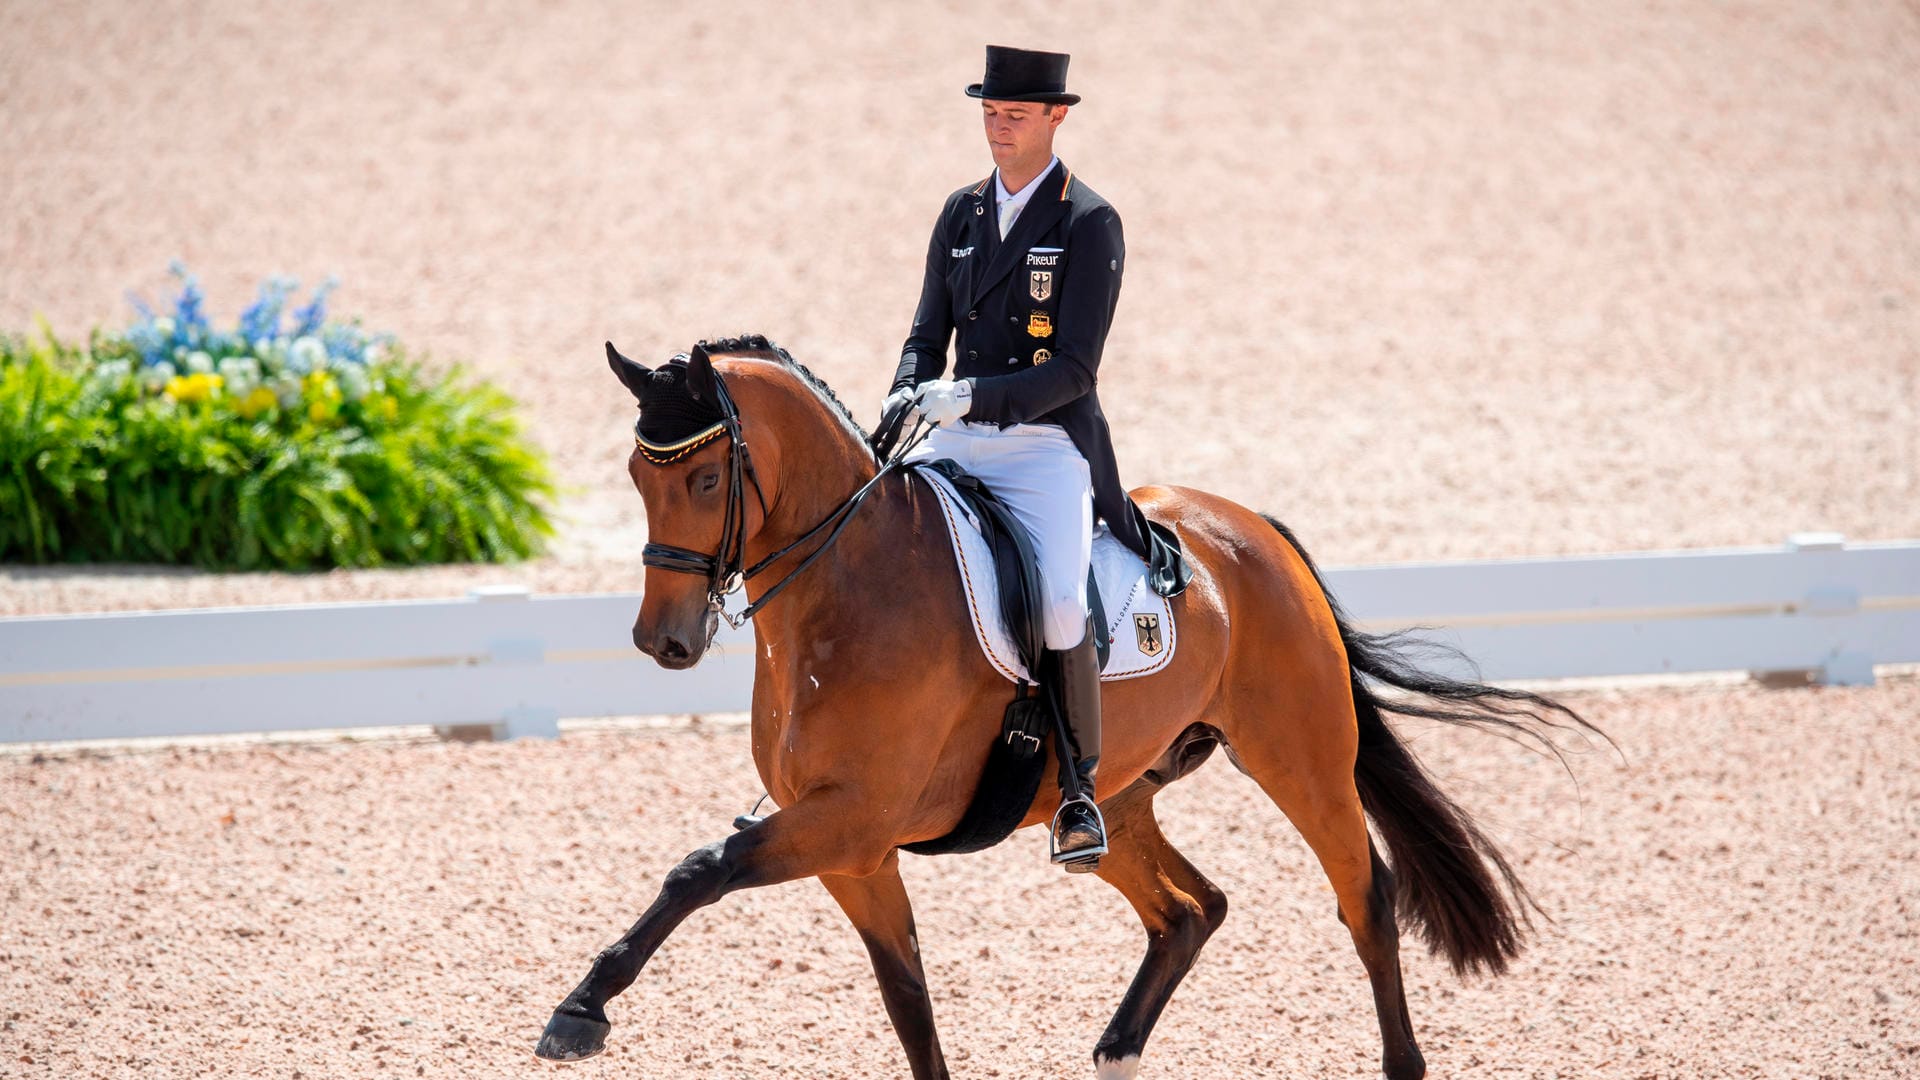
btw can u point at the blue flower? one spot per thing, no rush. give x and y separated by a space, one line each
189 310
261 320
185 329
309 319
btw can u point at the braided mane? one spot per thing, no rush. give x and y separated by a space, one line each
758 343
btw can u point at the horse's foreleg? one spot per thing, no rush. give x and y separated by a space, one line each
813 837
1179 907
878 907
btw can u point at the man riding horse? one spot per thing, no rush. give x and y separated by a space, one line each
1025 265
843 556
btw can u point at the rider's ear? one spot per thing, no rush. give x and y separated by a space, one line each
635 376
700 375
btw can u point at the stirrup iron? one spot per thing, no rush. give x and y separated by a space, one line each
1085 859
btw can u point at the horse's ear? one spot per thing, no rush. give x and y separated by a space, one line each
634 375
700 377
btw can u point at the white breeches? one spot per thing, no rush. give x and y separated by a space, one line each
1037 471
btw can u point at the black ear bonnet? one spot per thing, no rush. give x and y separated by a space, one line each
673 423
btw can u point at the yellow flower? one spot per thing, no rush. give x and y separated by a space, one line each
199 386
323 396
389 407
255 403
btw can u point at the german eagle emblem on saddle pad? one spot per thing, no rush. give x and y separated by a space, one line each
1138 620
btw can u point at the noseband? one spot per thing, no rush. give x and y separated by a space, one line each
723 569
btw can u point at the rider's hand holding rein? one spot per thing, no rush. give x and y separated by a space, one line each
900 401
942 401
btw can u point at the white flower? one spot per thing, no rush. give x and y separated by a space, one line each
353 381
199 362
307 354
242 374
272 354
375 353
112 372
163 326
155 378
287 389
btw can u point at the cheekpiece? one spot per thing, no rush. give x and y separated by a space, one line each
1024 75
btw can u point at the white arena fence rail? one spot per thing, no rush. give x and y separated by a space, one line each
517 663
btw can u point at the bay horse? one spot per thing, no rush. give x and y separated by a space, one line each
871 646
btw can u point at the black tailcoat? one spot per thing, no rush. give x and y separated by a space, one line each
1031 313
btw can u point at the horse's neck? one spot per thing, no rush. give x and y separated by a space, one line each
820 464
862 573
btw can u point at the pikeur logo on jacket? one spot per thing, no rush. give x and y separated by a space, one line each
1026 318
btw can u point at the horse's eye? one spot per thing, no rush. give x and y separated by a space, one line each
709 482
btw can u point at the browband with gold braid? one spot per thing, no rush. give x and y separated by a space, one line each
669 453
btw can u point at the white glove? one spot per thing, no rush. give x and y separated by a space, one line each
900 399
943 402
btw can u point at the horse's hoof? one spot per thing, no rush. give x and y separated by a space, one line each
572 1038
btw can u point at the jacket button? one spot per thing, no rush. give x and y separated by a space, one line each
974 314
973 354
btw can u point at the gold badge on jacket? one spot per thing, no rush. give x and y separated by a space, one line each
1040 324
1146 630
1040 285
1041 356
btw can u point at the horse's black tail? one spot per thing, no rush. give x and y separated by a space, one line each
1450 879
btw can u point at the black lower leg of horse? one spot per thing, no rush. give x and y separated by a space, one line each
878 907
1378 943
1178 906
778 849
579 1026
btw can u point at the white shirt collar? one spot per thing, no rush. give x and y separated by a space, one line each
1019 198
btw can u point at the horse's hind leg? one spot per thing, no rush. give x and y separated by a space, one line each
878 907
1179 907
1304 762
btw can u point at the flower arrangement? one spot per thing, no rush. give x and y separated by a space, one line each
292 441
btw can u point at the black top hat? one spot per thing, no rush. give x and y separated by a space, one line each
1024 75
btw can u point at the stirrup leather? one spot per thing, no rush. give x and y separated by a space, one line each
1054 854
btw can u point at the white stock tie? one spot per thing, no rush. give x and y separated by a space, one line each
1008 211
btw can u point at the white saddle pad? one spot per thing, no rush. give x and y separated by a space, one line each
1139 621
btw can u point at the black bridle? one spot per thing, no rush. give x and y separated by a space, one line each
723 569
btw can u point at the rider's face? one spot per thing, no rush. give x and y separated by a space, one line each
1020 133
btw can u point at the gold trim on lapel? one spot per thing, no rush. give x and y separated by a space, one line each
1036 219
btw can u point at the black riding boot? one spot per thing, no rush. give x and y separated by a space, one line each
1079 831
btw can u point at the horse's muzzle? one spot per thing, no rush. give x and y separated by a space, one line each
668 651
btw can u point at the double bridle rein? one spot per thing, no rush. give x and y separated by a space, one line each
723 569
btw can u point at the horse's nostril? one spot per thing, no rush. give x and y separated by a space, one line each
671 649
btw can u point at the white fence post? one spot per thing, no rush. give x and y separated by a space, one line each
521 719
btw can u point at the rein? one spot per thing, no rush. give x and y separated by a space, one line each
722 569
